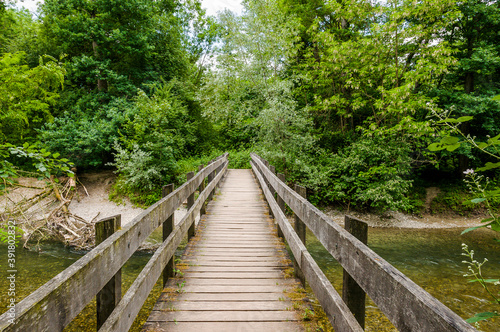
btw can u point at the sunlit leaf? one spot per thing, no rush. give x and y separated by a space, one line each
477 200
471 229
482 316
495 226
453 147
489 166
464 118
450 140
436 147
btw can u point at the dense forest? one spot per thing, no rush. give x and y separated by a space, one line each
365 103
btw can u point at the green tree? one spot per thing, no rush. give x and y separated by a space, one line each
27 95
469 86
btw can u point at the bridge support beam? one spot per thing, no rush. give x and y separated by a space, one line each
109 296
168 227
352 294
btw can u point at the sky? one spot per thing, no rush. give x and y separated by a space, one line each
212 6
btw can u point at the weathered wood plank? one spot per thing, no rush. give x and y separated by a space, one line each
352 294
405 303
339 315
234 275
223 327
233 272
232 289
238 282
225 306
167 228
223 316
124 314
55 304
110 295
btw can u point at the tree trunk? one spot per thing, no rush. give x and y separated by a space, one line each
102 85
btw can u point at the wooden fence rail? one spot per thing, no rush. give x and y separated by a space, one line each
408 306
54 305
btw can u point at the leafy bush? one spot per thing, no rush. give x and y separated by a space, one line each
239 159
85 139
372 172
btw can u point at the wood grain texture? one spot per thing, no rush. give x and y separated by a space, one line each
234 278
407 305
336 310
54 305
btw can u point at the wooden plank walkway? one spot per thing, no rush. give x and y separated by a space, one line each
234 280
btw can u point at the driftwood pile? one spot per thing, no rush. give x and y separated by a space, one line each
41 211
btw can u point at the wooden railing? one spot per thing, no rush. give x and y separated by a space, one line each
408 306
55 304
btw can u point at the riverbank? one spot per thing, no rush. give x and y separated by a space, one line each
91 203
396 219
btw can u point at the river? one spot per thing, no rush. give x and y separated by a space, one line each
430 257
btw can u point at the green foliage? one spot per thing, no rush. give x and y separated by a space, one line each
42 161
87 138
475 270
239 159
455 199
9 232
26 95
372 172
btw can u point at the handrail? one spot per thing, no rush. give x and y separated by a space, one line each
407 305
54 305
124 314
337 311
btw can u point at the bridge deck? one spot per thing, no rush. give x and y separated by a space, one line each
234 279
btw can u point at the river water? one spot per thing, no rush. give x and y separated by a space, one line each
430 257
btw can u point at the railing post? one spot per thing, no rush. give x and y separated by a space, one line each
273 170
352 294
200 189
168 227
109 296
190 202
300 229
281 203
210 178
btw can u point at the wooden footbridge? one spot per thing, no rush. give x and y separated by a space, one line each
234 275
